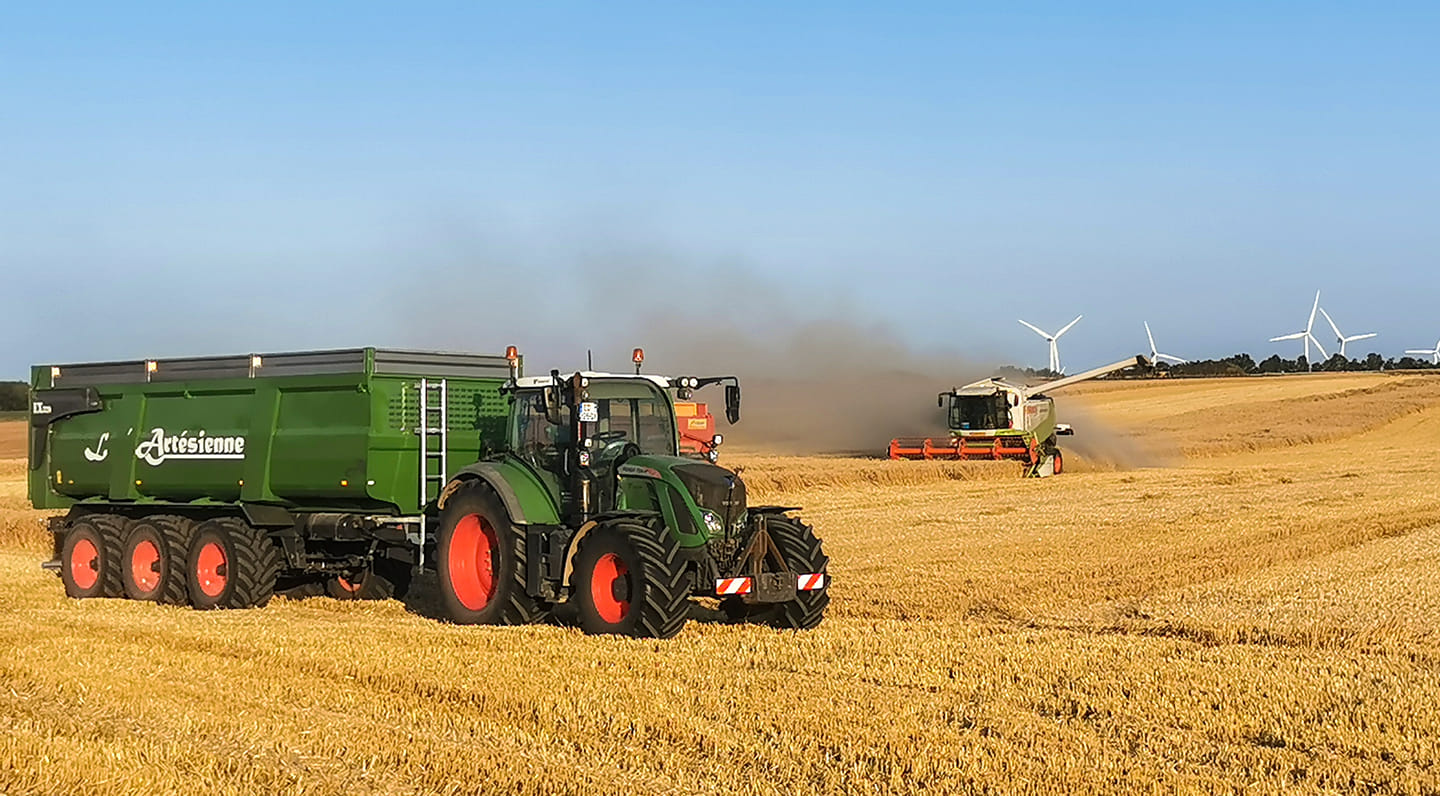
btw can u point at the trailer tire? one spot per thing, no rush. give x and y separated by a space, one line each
90 557
630 580
804 554
383 579
230 565
153 559
480 558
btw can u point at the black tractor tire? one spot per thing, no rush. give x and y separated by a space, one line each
804 554
630 579
480 558
230 565
383 579
90 557
152 560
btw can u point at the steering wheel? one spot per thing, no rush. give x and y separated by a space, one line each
608 436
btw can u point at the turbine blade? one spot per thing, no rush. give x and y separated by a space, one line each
1283 337
1317 345
1316 306
1036 329
1176 360
1352 338
1068 325
1338 335
1427 351
1151 336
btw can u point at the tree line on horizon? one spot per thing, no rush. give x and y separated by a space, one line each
1245 365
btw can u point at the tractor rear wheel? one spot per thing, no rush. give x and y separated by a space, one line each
481 560
383 579
804 555
630 580
153 559
230 565
90 558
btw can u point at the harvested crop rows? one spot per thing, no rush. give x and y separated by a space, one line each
1257 613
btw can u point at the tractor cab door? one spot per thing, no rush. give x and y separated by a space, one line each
538 442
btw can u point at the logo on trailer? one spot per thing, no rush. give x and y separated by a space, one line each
162 447
101 452
40 408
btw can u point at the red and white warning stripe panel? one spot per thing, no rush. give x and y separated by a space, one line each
810 582
725 586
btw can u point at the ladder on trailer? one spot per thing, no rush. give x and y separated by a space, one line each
434 425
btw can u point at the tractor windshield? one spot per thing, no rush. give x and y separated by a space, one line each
977 412
635 411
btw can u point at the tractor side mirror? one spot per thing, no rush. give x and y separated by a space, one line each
552 399
940 401
732 403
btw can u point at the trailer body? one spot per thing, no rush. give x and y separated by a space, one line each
311 431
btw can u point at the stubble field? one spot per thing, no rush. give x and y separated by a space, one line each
1254 611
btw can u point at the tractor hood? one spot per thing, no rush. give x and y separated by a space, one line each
712 489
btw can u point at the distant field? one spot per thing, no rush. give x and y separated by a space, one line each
1257 615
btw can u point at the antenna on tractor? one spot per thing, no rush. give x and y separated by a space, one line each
1051 339
638 357
1340 336
1155 355
1307 334
590 360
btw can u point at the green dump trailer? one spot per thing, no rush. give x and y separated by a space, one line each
215 481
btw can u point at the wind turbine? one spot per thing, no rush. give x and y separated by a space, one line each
1051 338
1340 337
1155 355
1433 353
1307 335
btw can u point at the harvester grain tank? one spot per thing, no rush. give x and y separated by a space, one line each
213 481
996 420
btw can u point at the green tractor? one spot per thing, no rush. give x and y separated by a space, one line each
589 502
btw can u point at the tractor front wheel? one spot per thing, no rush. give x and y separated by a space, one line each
481 559
803 555
630 580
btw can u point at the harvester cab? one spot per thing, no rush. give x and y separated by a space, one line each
601 510
997 420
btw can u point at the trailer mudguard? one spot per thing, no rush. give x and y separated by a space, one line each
526 499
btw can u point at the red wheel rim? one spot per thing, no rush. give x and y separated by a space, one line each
471 561
609 572
145 566
210 569
1059 464
84 564
346 585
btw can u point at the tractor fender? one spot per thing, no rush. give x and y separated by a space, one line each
524 497
573 546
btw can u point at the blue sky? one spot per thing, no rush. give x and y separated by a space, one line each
191 178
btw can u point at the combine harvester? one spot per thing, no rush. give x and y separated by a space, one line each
994 420
214 481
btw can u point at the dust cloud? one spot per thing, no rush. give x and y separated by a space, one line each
1104 445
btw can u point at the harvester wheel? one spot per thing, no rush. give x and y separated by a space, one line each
385 578
481 559
803 553
230 565
1058 464
153 559
630 580
90 559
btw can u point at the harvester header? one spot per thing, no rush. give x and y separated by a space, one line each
996 420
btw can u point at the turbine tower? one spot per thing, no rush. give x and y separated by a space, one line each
1433 353
1340 336
1155 355
1051 338
1307 334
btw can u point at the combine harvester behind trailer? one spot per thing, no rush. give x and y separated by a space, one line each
994 420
